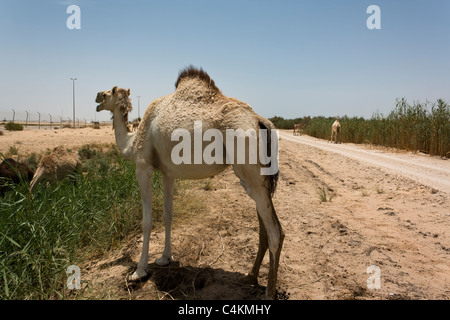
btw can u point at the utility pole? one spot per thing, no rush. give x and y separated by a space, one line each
73 82
139 107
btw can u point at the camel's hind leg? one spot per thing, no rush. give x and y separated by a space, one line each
271 233
252 277
275 237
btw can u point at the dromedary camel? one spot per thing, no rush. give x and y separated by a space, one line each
135 124
336 131
14 171
56 166
297 129
196 99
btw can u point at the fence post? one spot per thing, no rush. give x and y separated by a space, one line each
39 120
26 121
50 120
14 115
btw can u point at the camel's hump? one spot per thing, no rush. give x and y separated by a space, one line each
193 72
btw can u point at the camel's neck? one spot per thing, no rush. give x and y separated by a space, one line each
124 138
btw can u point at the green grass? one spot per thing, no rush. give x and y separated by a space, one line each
62 224
323 195
13 151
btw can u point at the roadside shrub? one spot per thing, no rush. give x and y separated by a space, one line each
13 126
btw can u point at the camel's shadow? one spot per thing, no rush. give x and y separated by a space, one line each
204 283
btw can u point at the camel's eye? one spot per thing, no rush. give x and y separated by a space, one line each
104 95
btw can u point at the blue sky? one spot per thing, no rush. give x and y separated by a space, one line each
285 58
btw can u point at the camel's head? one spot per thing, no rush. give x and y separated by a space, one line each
114 98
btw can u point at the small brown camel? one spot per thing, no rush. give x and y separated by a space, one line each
135 124
196 100
297 129
13 171
336 132
56 166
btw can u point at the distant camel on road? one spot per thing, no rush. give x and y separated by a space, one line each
297 129
336 131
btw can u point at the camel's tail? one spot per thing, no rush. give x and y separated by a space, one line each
273 179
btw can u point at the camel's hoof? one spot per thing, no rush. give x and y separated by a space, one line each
248 279
137 276
164 261
268 297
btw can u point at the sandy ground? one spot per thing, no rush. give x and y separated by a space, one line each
377 217
388 209
39 140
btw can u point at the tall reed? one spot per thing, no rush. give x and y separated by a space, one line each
419 126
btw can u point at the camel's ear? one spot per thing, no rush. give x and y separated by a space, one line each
114 90
128 92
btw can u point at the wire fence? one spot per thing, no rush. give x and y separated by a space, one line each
32 119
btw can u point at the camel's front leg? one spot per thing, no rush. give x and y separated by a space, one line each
168 217
144 175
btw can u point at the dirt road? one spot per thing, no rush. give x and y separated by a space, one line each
388 210
430 171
